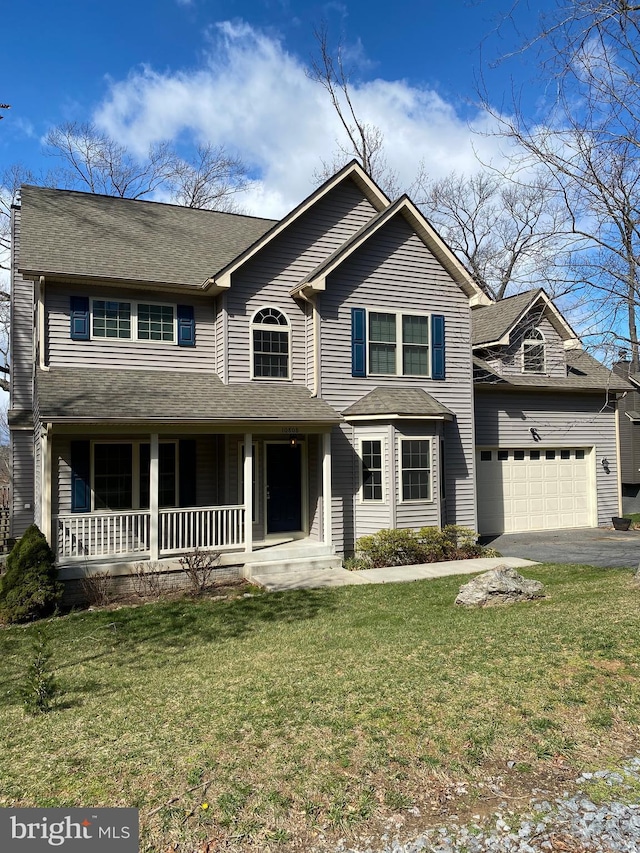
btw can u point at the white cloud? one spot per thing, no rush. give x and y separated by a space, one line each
254 97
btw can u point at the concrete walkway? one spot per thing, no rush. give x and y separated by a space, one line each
321 578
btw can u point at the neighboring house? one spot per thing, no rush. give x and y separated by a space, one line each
546 421
186 378
629 406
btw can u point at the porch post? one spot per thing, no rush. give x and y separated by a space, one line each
45 484
153 497
248 492
326 487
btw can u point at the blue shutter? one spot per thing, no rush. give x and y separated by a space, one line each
79 314
438 368
358 342
186 326
80 476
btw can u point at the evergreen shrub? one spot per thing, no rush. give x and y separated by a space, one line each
29 589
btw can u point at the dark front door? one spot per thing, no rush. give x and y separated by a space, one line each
284 487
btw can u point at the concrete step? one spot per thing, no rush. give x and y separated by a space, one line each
280 566
290 551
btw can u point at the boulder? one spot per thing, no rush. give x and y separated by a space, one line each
501 585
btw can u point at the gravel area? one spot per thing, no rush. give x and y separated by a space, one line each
572 824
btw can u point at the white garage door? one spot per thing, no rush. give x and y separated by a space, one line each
541 489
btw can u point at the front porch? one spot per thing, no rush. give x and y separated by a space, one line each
277 490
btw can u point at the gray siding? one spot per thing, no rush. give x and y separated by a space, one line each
397 272
562 420
102 352
21 353
267 279
22 486
629 438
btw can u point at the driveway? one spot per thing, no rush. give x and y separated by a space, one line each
593 546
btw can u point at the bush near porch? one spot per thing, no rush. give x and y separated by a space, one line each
408 547
271 719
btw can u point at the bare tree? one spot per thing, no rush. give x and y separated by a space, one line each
588 143
510 233
508 230
92 160
362 139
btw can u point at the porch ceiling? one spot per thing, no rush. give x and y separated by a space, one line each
92 394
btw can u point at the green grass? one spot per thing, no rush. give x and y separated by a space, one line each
271 716
635 518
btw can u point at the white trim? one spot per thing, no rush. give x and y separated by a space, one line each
134 304
397 417
400 439
256 457
269 327
248 492
154 481
326 489
383 469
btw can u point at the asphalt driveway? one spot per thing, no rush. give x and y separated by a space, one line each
593 546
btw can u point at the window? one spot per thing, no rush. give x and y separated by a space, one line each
121 475
385 330
270 340
565 454
485 456
111 319
155 323
503 455
534 455
113 476
580 454
140 321
518 455
416 469
533 351
549 454
371 459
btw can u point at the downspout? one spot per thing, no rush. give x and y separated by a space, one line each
618 458
41 330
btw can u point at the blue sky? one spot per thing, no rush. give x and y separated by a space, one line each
234 73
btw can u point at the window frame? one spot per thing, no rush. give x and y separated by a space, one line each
399 343
135 473
133 308
402 469
253 326
528 343
383 479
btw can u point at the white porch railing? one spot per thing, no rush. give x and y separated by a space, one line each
201 527
121 534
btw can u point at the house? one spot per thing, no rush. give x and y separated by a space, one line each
186 378
546 421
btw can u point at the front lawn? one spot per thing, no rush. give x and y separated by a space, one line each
263 720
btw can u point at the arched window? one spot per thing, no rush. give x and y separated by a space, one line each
271 344
533 355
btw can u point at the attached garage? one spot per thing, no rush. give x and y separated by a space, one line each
535 489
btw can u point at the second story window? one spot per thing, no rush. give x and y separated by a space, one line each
270 341
533 351
111 319
141 321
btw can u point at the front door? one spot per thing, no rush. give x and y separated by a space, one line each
284 487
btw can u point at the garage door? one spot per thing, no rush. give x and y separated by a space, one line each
541 489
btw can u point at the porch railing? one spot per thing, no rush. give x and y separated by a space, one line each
121 534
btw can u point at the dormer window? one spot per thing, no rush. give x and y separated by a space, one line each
271 343
533 351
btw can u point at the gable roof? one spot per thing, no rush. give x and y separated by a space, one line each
176 396
316 279
389 402
492 324
75 235
352 171
584 373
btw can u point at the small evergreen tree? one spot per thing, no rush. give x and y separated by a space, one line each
40 688
29 589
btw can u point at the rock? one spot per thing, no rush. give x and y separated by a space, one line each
501 585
